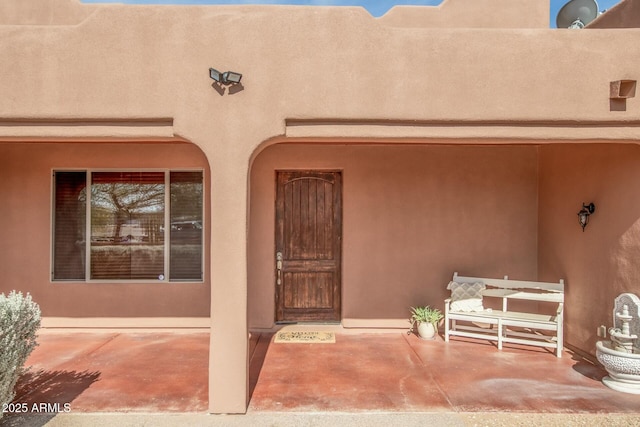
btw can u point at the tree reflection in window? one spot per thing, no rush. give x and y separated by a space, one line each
129 227
127 217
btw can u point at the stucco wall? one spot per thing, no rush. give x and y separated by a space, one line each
601 262
625 14
472 14
25 252
317 64
412 215
448 14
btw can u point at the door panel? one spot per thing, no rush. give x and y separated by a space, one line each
308 290
308 235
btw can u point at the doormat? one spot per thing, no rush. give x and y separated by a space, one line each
312 337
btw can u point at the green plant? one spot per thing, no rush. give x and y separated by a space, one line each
425 314
19 322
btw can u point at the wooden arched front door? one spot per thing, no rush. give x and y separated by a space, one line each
308 245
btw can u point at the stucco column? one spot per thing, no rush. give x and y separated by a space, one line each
228 369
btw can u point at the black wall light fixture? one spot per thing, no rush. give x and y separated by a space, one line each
585 212
226 78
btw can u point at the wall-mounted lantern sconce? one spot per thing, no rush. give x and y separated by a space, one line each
226 78
585 212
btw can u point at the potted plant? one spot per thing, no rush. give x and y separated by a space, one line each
426 319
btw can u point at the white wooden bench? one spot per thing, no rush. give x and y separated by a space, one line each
504 326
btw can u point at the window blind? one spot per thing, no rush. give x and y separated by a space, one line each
128 226
69 225
185 244
127 217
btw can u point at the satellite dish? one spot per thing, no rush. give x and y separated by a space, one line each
577 13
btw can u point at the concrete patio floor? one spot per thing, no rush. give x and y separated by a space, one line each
136 375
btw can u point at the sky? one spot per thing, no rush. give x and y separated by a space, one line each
375 7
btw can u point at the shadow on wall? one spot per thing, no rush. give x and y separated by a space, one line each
44 394
624 259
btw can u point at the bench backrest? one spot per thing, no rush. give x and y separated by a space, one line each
506 283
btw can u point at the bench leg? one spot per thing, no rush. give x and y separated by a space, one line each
559 345
559 340
499 334
447 328
452 328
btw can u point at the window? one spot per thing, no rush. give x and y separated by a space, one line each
141 225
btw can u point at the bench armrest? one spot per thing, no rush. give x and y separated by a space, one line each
447 304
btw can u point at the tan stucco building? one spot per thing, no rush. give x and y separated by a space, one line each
397 150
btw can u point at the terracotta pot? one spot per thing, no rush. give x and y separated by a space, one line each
426 331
